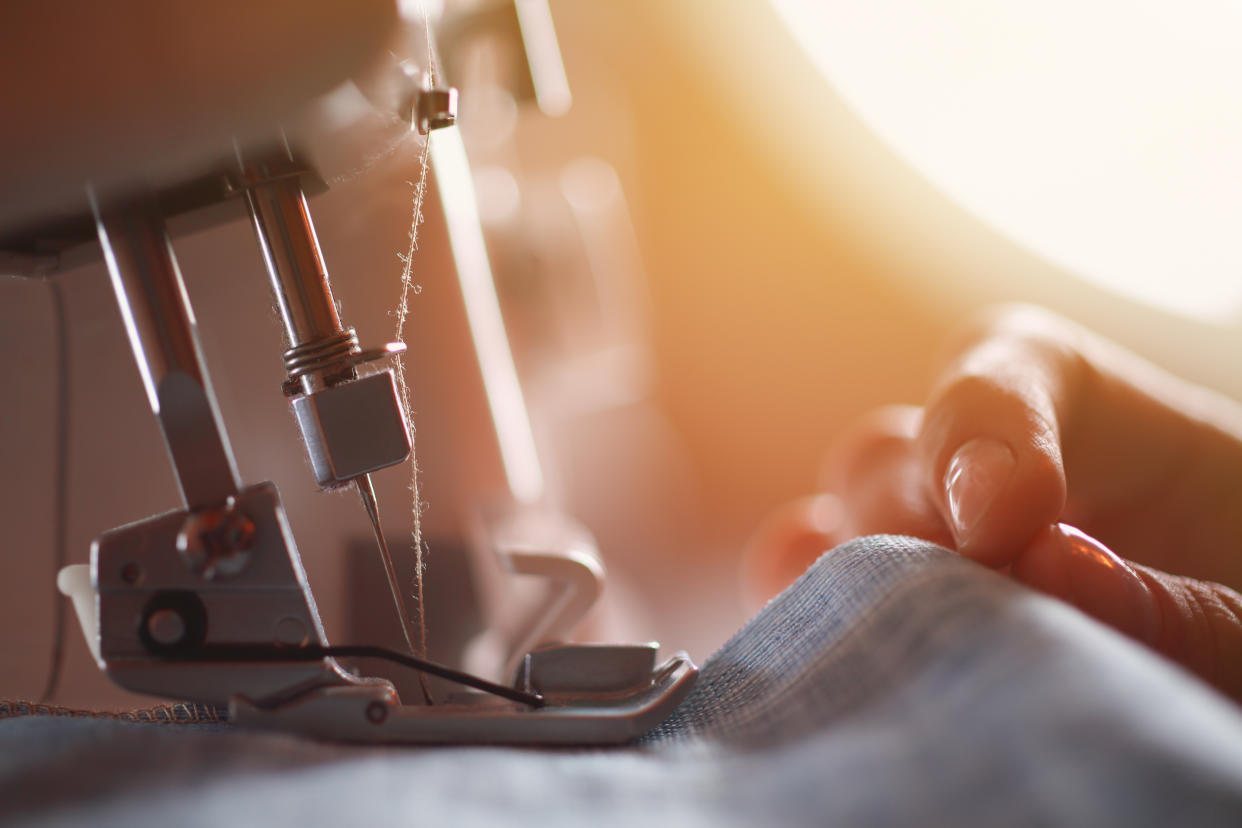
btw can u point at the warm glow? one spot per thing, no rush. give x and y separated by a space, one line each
487 327
1105 135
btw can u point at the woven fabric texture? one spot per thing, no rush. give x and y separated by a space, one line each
894 684
179 713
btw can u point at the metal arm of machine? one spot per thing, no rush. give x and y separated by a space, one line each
211 603
163 334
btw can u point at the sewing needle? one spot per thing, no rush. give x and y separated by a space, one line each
367 492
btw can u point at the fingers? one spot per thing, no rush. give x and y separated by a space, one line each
890 427
1195 623
877 474
1153 464
1199 625
787 542
878 487
1066 563
992 431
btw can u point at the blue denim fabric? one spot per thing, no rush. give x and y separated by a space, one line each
894 684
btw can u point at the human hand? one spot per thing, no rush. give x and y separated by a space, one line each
1068 463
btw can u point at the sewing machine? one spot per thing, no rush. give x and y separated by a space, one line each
210 602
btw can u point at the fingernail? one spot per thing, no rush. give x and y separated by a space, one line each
1106 587
973 479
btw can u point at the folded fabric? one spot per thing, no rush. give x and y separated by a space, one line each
894 683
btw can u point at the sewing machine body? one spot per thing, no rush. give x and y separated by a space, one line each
211 603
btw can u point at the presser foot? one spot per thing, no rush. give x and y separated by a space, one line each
593 694
212 605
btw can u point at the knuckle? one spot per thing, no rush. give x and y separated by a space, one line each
1200 626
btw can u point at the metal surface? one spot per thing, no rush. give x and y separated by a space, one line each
369 714
436 109
366 491
196 639
167 627
537 572
353 428
291 252
142 583
588 668
161 328
216 543
322 352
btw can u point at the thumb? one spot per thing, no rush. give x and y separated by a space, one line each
1197 624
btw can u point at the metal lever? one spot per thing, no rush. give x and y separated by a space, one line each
162 331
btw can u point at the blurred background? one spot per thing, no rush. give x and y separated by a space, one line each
755 221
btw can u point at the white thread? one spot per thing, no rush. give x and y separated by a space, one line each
403 309
370 159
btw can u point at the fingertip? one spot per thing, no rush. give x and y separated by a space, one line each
1068 564
787 542
1198 624
1043 564
993 462
1016 494
976 474
875 468
856 445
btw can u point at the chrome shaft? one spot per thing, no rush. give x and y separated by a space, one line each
319 345
163 334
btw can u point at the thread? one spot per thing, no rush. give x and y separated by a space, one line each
179 713
403 309
370 159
